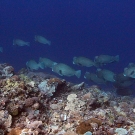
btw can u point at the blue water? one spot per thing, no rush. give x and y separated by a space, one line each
75 28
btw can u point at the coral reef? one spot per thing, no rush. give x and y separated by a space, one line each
6 71
42 104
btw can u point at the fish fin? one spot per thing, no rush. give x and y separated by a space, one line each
96 57
35 37
1 49
55 63
114 77
86 73
41 65
99 69
96 64
125 69
14 42
74 59
49 42
131 65
117 58
78 73
27 63
40 58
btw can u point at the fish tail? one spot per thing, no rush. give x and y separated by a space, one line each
117 58
54 63
74 60
96 64
86 75
40 59
35 37
78 73
28 43
41 65
14 42
49 42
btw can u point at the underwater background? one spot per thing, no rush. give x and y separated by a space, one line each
74 27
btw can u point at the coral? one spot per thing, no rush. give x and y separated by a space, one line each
70 133
6 119
34 124
13 110
74 103
10 84
88 133
15 131
53 81
18 131
29 102
87 96
24 78
121 131
47 105
45 89
87 125
6 70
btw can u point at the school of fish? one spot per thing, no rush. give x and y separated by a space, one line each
100 76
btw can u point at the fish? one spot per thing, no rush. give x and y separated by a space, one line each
122 81
94 78
83 61
42 40
47 62
106 75
33 65
130 70
131 65
65 70
20 42
1 49
105 59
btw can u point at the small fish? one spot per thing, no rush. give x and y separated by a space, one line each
94 78
106 75
65 70
33 65
1 49
42 40
47 62
105 59
20 42
83 61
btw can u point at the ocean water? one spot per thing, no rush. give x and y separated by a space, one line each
74 27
